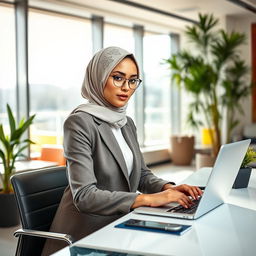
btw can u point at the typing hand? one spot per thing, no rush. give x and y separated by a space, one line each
193 191
182 194
169 196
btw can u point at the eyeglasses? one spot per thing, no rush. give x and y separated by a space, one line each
133 83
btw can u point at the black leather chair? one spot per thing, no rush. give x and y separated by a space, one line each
38 194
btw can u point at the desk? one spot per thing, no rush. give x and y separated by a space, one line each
29 165
230 229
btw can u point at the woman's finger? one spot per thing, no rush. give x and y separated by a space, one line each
193 192
185 201
199 191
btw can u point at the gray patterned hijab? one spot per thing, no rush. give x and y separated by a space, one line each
97 73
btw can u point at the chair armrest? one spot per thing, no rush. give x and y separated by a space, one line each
45 234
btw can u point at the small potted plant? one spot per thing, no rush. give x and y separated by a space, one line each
244 173
11 147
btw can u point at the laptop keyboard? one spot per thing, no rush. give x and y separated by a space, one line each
182 209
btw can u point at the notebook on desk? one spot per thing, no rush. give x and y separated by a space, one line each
219 184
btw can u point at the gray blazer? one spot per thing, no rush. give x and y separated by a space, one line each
100 190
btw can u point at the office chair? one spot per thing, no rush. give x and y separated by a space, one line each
38 194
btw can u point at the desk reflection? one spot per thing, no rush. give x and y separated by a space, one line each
237 234
81 251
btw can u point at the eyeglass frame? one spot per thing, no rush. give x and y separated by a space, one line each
124 81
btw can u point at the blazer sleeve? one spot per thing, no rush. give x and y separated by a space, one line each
78 144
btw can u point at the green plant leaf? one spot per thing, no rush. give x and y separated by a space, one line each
27 141
233 124
224 49
15 142
202 34
3 138
19 152
27 123
22 121
249 157
18 132
11 119
2 156
1 176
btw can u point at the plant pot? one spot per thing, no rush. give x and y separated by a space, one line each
182 149
204 160
242 178
9 215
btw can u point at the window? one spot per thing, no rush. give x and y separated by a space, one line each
115 35
157 89
59 49
7 61
122 37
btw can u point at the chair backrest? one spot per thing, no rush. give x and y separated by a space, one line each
38 194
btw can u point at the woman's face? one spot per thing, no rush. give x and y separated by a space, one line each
119 96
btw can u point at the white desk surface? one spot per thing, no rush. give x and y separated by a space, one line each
28 165
229 229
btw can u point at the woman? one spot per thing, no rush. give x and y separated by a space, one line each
104 163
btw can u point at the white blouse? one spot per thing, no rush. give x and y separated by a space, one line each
127 153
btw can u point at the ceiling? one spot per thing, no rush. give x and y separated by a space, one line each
184 8
159 12
191 8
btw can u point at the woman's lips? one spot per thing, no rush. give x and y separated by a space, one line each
122 97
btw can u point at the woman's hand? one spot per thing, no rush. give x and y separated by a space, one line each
193 191
179 194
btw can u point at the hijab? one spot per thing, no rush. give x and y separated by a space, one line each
97 73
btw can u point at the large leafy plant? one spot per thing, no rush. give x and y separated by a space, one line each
12 146
214 75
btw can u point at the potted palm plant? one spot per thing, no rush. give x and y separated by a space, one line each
11 148
214 75
243 176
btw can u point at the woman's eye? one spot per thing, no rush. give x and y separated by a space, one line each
132 81
117 78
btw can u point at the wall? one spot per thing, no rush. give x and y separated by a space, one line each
243 24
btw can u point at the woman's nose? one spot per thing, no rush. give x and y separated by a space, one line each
125 86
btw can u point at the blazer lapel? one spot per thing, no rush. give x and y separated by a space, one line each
110 140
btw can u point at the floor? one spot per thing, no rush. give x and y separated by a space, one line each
166 171
8 241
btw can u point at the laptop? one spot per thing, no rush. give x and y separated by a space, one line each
219 184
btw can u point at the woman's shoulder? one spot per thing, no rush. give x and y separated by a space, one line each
79 119
80 114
